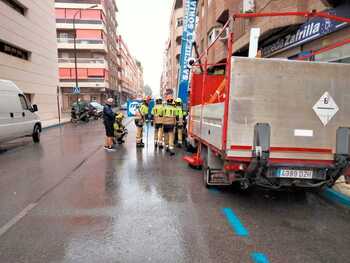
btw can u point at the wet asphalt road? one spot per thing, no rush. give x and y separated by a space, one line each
67 200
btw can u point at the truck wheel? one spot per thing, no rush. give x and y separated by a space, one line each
36 134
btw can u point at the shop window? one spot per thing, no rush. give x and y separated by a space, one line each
14 51
15 5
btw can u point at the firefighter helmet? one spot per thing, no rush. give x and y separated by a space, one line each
159 100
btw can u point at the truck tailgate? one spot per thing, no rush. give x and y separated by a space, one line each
304 103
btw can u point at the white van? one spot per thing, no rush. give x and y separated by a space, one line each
17 117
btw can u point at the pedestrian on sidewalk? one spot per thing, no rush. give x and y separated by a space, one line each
140 119
108 121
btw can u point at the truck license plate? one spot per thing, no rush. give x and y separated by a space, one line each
300 174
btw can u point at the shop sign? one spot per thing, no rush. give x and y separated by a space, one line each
188 37
313 29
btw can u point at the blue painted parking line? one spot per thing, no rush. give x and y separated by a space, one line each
258 257
337 197
235 223
214 190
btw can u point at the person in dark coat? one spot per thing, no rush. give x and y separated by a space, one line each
108 121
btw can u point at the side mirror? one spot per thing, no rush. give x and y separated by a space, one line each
35 108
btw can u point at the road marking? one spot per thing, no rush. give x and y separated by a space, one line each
235 223
28 208
16 219
214 190
258 257
337 197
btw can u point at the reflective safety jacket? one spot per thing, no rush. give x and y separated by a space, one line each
169 115
180 115
143 110
141 115
157 113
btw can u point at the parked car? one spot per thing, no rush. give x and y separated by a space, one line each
17 116
96 110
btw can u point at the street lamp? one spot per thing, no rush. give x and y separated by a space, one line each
75 48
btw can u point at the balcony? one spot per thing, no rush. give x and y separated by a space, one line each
96 83
82 44
83 63
80 24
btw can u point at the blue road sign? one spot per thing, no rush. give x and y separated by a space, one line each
133 106
76 90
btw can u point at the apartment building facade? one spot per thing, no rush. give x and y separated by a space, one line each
285 37
171 66
28 51
130 73
93 23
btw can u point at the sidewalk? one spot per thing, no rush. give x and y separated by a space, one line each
54 122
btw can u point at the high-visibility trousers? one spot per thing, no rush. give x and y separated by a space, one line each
158 133
139 134
169 136
179 135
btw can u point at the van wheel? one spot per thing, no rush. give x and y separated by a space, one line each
36 134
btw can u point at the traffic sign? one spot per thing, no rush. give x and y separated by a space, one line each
76 90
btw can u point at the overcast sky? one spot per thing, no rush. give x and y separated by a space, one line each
144 26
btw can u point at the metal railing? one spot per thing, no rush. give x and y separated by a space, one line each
95 79
83 60
80 41
79 21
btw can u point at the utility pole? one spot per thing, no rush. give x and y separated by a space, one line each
75 48
75 55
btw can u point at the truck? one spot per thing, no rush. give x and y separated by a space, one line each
273 123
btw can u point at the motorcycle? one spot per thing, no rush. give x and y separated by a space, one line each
95 113
80 112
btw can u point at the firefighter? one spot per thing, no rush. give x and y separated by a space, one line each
141 118
157 120
169 122
180 121
119 129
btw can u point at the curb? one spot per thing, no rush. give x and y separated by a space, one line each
337 197
55 125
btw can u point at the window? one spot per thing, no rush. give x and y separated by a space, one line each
213 34
23 102
180 22
15 5
29 97
14 51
